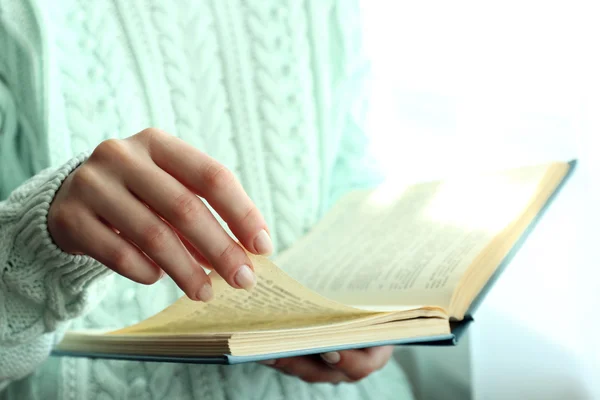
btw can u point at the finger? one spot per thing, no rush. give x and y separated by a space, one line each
119 208
190 248
194 252
183 210
100 242
211 180
309 370
358 364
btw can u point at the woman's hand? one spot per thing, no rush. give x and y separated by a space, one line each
134 206
335 367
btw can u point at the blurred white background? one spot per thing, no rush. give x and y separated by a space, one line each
481 85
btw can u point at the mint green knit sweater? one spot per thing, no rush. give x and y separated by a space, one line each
271 88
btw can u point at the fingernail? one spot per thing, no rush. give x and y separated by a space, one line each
267 362
263 243
205 293
333 357
245 278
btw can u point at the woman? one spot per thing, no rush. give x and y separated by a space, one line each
258 104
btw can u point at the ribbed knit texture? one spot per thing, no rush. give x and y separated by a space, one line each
274 89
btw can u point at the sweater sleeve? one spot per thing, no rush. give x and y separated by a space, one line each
355 165
41 287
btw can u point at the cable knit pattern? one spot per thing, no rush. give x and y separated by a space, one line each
301 103
210 115
271 88
168 34
276 88
91 58
80 103
26 75
17 167
108 81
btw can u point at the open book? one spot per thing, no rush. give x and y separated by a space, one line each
394 265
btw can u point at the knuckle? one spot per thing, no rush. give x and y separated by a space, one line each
62 216
83 177
379 366
194 281
218 177
228 255
121 259
250 215
111 151
359 374
285 372
150 133
155 238
63 225
282 363
186 208
311 378
149 136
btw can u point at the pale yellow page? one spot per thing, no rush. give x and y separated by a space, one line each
277 302
380 249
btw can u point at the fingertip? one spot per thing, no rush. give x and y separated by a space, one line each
205 293
197 285
332 357
263 244
245 278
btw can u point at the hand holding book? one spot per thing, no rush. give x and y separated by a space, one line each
335 367
405 266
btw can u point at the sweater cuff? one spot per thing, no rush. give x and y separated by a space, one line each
40 270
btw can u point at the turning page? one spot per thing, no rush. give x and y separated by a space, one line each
277 302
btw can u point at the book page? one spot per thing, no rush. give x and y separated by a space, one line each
408 245
480 272
277 302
